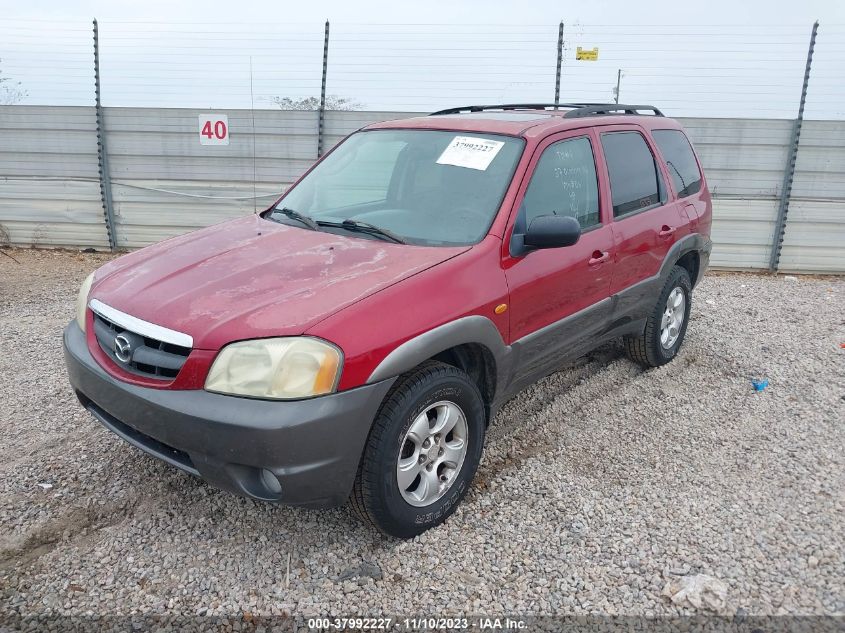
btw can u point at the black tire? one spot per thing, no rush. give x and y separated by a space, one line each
647 349
376 496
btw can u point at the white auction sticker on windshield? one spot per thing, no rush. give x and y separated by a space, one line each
471 152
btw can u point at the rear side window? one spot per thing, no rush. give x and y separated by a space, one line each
564 183
634 182
677 151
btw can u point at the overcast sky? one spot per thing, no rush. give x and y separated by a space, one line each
440 11
736 59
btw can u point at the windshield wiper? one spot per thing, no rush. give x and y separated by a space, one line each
349 225
360 225
296 215
364 227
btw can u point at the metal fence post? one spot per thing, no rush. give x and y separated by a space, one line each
102 153
618 84
559 61
792 153
321 116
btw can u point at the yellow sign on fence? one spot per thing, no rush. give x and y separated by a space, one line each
586 54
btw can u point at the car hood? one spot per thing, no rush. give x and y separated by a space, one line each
252 278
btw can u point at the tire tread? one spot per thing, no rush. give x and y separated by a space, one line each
641 349
404 388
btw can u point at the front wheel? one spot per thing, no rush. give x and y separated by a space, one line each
422 452
666 326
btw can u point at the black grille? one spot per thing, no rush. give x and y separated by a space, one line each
148 356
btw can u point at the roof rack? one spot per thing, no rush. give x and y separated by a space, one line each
574 109
589 109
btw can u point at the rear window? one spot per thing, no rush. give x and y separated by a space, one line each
683 167
634 182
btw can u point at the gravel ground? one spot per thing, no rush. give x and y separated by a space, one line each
599 485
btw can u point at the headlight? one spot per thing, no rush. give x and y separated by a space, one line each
277 368
82 300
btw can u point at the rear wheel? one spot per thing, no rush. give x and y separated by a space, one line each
666 326
422 452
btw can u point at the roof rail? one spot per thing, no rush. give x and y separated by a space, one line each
574 109
590 109
509 106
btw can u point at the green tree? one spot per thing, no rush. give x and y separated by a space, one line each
333 102
11 91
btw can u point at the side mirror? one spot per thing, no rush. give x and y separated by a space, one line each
552 231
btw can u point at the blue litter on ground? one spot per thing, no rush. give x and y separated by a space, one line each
760 383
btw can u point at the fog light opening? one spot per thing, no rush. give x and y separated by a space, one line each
270 482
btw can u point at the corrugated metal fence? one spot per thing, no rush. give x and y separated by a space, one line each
49 179
164 182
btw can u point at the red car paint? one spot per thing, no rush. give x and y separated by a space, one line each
252 278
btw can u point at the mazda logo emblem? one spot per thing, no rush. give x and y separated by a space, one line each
122 348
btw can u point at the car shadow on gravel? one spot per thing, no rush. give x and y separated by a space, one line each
523 414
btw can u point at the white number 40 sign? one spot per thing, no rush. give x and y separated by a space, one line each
214 129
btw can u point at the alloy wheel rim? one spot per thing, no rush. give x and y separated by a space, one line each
673 317
432 453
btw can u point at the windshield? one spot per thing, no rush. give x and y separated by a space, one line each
423 186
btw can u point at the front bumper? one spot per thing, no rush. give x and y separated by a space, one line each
312 447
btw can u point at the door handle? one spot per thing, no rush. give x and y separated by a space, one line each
598 257
666 231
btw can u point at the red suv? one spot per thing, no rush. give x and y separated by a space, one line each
355 339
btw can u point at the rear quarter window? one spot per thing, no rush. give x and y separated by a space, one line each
634 181
683 168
